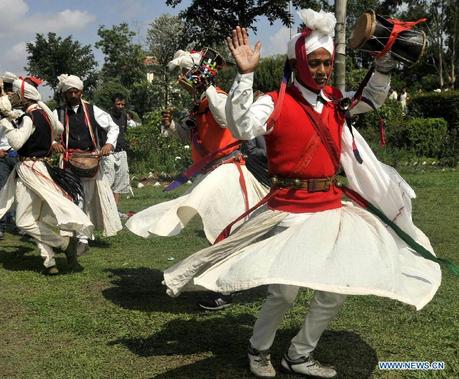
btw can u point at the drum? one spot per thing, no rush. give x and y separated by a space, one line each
377 35
84 164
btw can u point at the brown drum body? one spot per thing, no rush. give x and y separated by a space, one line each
372 31
84 165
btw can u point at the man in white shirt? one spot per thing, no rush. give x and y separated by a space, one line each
82 122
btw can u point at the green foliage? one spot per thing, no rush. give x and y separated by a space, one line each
391 112
268 75
208 21
446 106
124 59
102 95
164 37
53 55
424 136
149 151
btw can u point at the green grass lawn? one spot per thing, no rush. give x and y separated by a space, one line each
114 319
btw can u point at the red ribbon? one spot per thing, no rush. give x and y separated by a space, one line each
399 26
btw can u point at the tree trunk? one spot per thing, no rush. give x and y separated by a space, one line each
340 53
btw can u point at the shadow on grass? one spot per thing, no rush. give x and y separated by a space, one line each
142 289
98 242
226 337
14 258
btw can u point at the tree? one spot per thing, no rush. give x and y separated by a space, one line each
340 55
124 59
102 95
209 21
165 36
54 55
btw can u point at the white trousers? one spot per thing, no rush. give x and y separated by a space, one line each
31 210
322 309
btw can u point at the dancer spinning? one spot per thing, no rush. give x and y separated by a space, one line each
45 196
305 235
223 188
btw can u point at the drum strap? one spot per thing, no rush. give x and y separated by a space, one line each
399 26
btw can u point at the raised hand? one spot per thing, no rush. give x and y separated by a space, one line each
246 58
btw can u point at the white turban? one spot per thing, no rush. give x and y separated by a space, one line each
9 77
69 81
26 90
184 59
322 25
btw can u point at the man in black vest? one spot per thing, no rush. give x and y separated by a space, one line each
116 164
81 121
44 206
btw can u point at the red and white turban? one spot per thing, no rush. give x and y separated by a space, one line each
318 33
322 26
69 81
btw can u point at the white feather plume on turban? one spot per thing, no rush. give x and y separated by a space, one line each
184 59
69 81
322 25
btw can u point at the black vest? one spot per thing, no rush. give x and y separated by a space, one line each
79 136
121 121
39 143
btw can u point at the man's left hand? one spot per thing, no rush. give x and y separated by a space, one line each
106 149
3 153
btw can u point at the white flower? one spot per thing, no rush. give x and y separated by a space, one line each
157 184
186 147
178 158
140 185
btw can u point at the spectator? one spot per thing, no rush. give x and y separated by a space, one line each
404 99
115 165
393 95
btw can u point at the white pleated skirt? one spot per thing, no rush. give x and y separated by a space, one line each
216 197
346 250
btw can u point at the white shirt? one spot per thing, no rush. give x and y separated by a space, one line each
247 119
4 144
105 121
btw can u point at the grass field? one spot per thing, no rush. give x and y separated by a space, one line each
114 320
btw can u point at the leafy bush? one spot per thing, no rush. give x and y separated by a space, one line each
446 106
424 136
149 151
391 112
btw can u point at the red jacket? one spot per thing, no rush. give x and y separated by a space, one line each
290 155
209 136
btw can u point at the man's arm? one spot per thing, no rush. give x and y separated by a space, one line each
217 102
106 122
376 91
246 119
17 137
